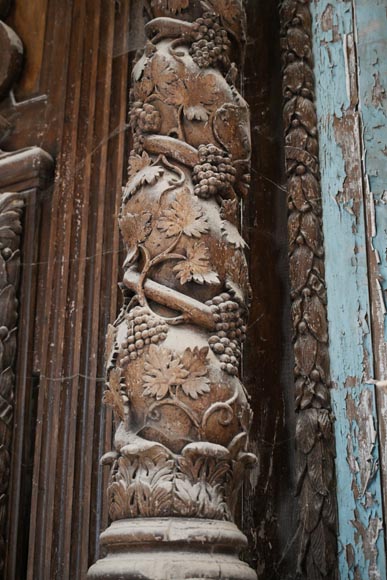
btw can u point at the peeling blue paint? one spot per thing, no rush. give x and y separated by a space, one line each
361 534
371 25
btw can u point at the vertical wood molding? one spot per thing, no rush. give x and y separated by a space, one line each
80 257
371 48
27 173
352 348
11 205
315 447
173 354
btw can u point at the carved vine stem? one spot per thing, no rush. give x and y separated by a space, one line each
173 354
314 427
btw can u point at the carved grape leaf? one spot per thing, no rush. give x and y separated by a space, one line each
231 14
146 176
135 229
110 344
196 266
138 162
238 279
164 74
163 371
229 211
113 396
195 361
230 232
184 216
194 94
170 6
142 74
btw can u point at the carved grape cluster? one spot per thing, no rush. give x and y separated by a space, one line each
212 46
230 331
144 118
214 172
144 329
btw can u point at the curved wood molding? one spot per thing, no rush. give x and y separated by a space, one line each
315 478
173 354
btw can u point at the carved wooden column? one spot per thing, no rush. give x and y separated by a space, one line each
173 354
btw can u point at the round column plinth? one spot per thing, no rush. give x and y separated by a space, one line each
171 549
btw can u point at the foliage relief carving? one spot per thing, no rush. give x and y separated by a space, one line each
173 354
315 478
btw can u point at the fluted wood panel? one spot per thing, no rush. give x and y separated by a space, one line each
83 84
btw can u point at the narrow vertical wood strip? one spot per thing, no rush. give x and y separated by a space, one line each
371 49
69 539
315 448
42 511
91 381
11 207
361 535
112 258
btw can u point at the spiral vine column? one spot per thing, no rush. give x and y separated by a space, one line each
173 354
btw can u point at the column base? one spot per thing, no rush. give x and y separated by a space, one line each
171 549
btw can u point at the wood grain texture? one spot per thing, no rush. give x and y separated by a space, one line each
28 173
361 535
371 47
269 508
63 106
84 119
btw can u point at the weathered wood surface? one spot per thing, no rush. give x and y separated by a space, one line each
29 174
60 103
339 31
371 45
314 441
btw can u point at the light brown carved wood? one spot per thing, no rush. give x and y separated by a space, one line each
315 447
173 354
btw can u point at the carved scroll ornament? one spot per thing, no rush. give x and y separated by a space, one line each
173 354
315 446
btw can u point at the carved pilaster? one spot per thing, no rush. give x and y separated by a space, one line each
315 446
11 205
173 354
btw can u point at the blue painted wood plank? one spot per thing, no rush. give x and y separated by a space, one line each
371 28
361 535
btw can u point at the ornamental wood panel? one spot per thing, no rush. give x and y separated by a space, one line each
73 102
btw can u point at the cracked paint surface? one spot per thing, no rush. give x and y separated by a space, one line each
347 85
